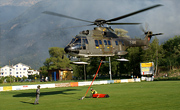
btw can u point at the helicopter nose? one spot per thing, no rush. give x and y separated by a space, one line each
67 49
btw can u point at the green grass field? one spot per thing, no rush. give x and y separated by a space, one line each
157 95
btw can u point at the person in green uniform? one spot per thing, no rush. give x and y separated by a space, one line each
37 95
93 92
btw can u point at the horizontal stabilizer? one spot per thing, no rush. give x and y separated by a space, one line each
122 59
80 63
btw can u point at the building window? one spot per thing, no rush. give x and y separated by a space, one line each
10 69
16 72
10 72
1 73
24 68
16 65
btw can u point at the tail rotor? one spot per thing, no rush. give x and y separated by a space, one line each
147 32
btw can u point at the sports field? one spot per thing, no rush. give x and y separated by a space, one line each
157 95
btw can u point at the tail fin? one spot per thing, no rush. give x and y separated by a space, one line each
148 37
149 34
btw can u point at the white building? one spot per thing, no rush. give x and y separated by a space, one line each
32 72
6 71
18 70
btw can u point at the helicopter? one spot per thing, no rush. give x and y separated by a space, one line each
105 41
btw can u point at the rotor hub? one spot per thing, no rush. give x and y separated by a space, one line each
99 22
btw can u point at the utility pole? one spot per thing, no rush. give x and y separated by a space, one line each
110 68
82 63
84 72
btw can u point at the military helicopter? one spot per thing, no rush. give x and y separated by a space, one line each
104 41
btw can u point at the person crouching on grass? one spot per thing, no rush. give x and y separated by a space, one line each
37 95
93 92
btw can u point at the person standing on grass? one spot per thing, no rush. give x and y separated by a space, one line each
37 95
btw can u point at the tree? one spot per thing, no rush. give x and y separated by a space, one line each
154 53
24 77
135 58
2 79
44 71
57 60
94 63
172 52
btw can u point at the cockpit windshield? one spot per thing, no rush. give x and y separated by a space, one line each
77 43
77 40
72 41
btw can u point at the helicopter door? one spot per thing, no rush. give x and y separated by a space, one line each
117 46
84 43
100 44
107 46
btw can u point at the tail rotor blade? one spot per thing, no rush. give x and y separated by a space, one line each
157 34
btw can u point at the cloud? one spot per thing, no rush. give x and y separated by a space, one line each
163 19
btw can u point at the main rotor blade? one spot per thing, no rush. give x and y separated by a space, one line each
133 13
123 23
61 15
77 26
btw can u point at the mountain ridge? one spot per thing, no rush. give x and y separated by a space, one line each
27 38
18 3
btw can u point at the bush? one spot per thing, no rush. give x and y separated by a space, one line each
172 78
166 78
17 79
1 80
9 80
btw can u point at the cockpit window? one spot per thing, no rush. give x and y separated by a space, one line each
72 41
86 41
77 40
